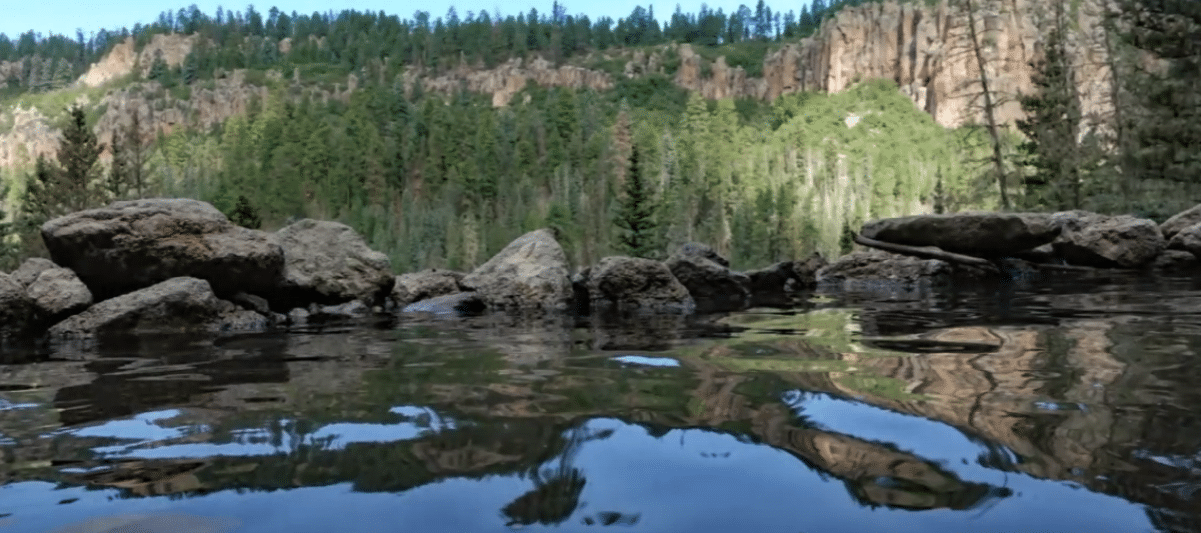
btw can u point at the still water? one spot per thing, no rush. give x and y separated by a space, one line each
1053 405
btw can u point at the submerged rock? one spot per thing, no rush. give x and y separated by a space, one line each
708 278
977 234
132 245
628 284
462 303
328 263
529 274
175 305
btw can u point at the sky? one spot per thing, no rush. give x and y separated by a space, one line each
65 16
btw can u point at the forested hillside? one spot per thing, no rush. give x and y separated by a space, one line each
335 128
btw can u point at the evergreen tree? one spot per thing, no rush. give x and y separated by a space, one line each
77 155
637 215
1052 124
245 214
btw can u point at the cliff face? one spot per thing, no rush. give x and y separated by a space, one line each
122 59
926 50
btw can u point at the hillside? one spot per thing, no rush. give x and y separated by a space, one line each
441 141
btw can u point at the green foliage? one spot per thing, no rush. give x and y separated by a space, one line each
637 215
244 214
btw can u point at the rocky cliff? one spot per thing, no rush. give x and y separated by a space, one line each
926 49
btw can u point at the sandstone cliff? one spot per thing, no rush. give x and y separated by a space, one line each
122 59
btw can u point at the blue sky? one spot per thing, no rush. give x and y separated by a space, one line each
65 16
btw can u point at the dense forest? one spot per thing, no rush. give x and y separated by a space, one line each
440 180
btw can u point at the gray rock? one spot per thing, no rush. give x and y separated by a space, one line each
298 316
329 263
527 275
710 283
1109 242
29 271
704 251
348 310
629 284
417 286
977 234
131 245
16 309
462 303
251 302
1188 240
1176 260
1180 221
882 266
175 305
58 292
806 269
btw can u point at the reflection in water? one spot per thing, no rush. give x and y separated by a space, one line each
1042 407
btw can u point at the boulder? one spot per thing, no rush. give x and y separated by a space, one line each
773 285
461 303
806 269
529 274
977 234
883 266
417 286
1180 221
1108 242
176 305
348 310
708 279
329 263
629 284
58 293
16 310
29 271
1188 240
132 245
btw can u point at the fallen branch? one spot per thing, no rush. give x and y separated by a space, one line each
927 252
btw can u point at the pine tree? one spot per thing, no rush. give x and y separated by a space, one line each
1052 124
77 155
117 181
245 214
637 215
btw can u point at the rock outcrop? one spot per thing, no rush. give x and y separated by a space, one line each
176 305
708 278
506 79
977 234
629 284
529 274
172 48
131 245
328 263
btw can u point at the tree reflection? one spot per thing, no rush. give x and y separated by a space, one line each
556 492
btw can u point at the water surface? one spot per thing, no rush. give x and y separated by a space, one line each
1058 405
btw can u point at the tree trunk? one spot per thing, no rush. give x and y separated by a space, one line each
990 118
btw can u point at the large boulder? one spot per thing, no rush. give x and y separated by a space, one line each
529 274
16 310
629 284
176 305
57 293
708 278
977 234
1180 221
417 286
877 266
329 263
131 245
1108 241
30 269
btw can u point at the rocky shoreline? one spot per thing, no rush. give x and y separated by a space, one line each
173 265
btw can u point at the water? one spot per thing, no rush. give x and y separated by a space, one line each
1054 405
